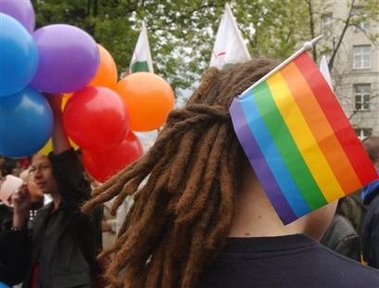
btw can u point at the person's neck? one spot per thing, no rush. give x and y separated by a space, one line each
37 204
255 217
56 197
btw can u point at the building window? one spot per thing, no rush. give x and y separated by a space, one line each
362 95
327 22
362 133
362 57
361 20
364 25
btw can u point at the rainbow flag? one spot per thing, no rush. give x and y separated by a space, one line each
298 140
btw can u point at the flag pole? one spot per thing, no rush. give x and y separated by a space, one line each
306 47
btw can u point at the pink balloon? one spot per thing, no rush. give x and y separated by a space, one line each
101 165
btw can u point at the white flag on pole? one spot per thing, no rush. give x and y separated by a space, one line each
229 47
324 69
141 59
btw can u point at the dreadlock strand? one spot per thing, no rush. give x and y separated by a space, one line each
141 198
181 159
155 271
135 211
204 88
169 267
177 170
225 210
204 147
125 256
196 253
229 170
128 189
150 213
106 192
133 239
112 181
215 113
212 165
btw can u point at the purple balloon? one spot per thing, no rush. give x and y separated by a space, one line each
68 58
21 10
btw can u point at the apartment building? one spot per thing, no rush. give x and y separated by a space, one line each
355 71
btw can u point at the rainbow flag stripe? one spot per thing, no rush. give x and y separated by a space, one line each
298 140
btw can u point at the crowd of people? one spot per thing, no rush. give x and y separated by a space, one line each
194 213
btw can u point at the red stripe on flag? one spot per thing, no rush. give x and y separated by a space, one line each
338 121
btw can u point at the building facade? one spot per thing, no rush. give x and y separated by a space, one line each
355 69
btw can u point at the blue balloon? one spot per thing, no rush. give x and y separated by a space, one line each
26 123
18 56
2 285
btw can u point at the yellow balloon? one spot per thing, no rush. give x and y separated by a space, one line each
65 98
49 147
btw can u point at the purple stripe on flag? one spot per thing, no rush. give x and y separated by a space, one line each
252 151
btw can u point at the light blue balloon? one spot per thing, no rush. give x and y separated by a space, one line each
18 56
2 285
26 123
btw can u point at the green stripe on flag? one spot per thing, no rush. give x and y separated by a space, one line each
139 66
287 147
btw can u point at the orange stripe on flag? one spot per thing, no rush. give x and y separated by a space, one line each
322 131
336 117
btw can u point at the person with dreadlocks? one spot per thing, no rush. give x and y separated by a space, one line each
200 217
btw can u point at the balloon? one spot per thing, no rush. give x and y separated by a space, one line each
45 150
69 58
149 99
107 72
18 56
103 164
21 10
3 285
26 122
96 118
65 99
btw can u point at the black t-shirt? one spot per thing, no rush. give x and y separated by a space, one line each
294 261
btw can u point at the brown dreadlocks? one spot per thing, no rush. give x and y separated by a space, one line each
182 213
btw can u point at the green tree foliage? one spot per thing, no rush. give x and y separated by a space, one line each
182 32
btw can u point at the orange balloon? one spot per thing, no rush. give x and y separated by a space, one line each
106 74
149 99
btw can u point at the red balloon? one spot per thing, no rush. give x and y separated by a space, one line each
101 165
96 118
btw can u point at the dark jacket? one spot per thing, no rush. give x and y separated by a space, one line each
6 214
342 238
12 258
370 229
56 246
